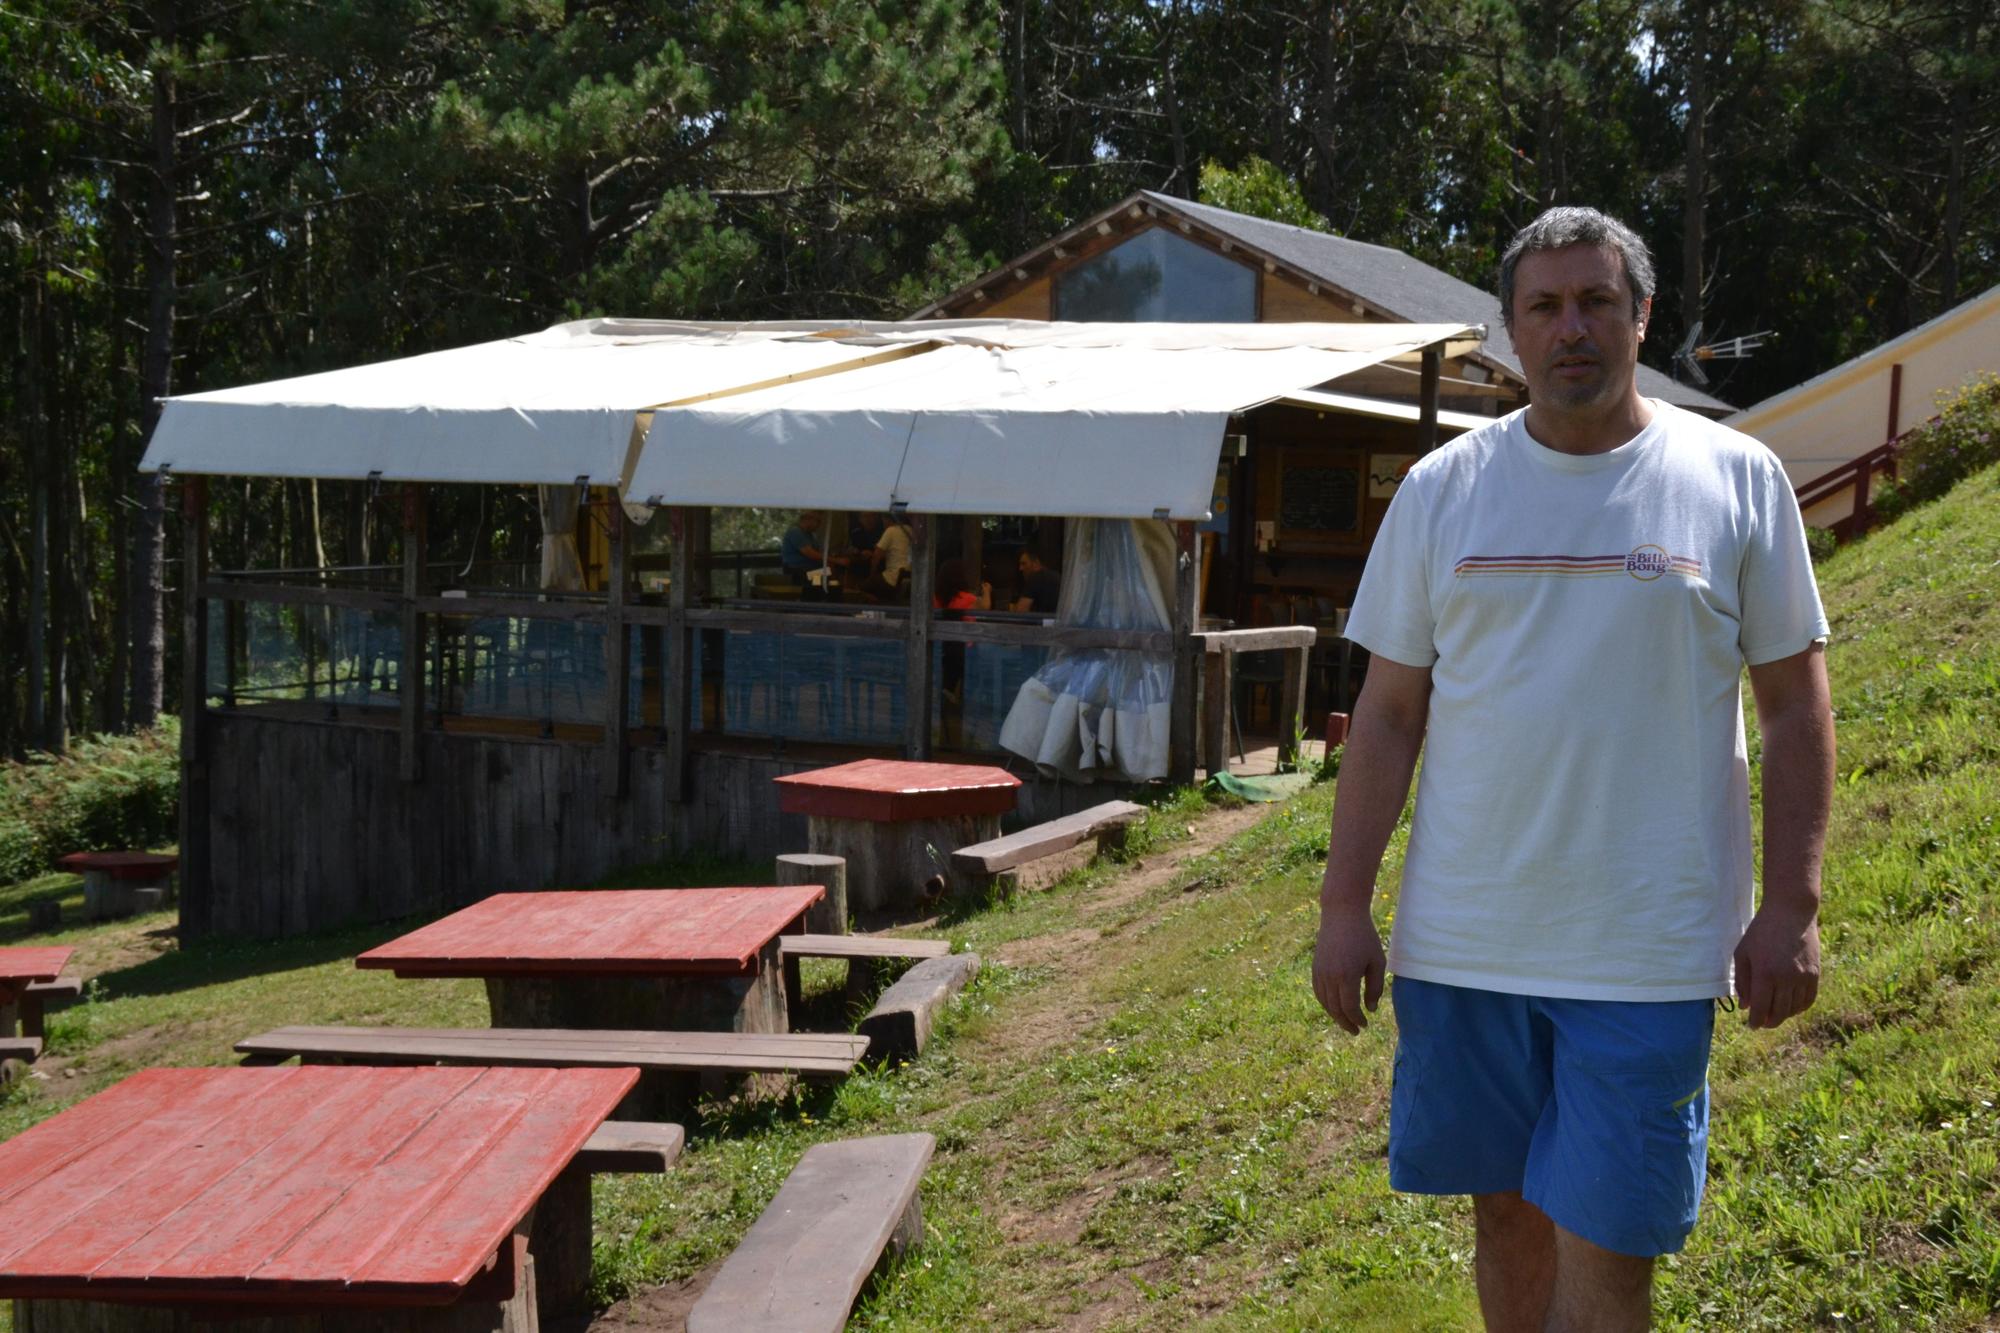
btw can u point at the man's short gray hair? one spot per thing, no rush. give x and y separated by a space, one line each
1561 227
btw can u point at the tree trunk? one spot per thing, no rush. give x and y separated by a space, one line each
1954 199
149 622
1693 217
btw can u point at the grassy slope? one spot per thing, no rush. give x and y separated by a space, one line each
1189 1144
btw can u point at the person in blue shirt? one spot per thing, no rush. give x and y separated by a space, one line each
800 550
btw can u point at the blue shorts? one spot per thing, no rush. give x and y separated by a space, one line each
1596 1111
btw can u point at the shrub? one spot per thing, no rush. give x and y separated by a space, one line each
1821 543
1961 439
107 793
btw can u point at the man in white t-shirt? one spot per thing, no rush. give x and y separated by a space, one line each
1559 606
891 559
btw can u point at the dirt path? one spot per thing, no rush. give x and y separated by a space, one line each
1038 1023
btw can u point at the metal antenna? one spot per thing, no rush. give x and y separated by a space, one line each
1693 352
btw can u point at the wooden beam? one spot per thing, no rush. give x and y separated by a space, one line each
919 683
1218 702
292 594
410 669
194 811
1292 704
1262 639
617 656
680 681
1427 418
1187 656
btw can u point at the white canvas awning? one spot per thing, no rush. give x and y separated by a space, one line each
1109 421
946 416
547 408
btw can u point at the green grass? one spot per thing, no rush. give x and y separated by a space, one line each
1153 1126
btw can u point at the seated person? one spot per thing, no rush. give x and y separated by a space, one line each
1041 587
800 550
890 563
953 594
864 532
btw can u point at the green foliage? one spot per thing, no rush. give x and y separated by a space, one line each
1259 190
110 793
1821 543
1963 438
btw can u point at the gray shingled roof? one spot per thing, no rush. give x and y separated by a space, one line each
1401 285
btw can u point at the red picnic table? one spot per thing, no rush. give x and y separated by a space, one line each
121 883
294 1191
897 822
22 967
687 959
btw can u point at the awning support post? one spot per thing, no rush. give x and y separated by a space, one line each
920 682
410 668
617 653
1427 419
679 684
194 824
1187 655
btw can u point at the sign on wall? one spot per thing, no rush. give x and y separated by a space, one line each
1385 473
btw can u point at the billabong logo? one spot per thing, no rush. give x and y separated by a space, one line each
1644 563
1648 562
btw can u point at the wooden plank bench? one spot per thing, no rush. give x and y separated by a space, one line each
807 1054
559 1232
36 999
900 1023
988 863
17 1052
806 1258
855 949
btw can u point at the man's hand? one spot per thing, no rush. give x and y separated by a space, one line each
1777 965
1348 965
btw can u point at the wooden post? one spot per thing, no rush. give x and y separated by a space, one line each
617 656
973 540
1427 418
828 916
680 653
1217 670
194 825
1292 704
410 671
919 686
1187 656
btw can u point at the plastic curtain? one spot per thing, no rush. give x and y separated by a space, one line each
1103 713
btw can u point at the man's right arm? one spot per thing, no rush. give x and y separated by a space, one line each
1375 769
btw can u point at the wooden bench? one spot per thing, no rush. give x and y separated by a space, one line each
35 1001
900 1023
559 1232
991 863
806 1258
17 1053
854 948
807 1054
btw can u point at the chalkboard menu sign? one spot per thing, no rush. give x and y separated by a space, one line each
1320 499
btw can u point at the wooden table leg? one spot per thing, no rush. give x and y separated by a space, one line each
559 1240
896 865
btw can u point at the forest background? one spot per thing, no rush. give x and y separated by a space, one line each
200 193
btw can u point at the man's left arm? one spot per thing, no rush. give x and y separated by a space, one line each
1777 961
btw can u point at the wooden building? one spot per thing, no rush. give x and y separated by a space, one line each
1312 478
362 744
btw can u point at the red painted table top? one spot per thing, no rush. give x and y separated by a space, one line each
888 790
19 966
121 865
289 1186
601 932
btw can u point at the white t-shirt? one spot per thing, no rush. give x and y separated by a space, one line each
895 547
1582 822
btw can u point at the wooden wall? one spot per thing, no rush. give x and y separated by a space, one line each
312 828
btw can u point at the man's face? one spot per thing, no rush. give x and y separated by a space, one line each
1028 564
808 522
1574 329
